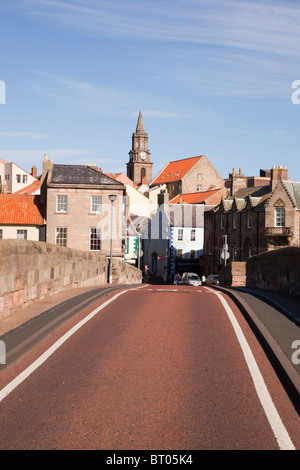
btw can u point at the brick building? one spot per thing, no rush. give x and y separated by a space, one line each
253 220
283 215
78 208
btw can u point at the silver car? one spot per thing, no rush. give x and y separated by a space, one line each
213 279
191 279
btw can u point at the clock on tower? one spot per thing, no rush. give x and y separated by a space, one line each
139 167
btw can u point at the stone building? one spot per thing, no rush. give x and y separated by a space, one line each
78 208
251 221
189 175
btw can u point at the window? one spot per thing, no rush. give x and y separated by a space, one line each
180 234
61 203
193 235
25 178
1 234
248 219
22 234
234 220
279 216
61 236
143 174
95 239
199 176
199 187
18 178
222 221
96 203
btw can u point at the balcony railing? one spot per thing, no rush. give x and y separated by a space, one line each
279 232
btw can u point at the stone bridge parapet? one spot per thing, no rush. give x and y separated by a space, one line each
31 271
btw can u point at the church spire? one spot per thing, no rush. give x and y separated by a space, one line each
139 167
140 125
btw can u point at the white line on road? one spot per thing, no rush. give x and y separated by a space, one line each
279 430
38 362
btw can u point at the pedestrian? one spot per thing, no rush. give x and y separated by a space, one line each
146 273
177 279
203 280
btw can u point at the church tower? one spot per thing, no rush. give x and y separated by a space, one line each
139 167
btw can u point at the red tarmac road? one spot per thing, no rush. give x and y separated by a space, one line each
159 367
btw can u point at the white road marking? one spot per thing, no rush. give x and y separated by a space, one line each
278 428
38 362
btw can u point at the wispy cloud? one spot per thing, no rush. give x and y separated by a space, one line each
217 47
97 97
266 26
37 155
279 132
158 114
23 135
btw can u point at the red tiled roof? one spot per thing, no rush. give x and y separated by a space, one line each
194 198
174 171
20 210
29 189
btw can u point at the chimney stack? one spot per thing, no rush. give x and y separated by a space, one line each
34 171
278 173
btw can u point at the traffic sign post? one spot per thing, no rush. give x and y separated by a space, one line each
224 253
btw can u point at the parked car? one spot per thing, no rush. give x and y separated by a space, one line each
213 279
191 279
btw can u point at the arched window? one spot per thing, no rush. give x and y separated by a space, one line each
143 173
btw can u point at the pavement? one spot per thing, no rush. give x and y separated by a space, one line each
275 318
21 315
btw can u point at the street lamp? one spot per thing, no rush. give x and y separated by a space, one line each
112 198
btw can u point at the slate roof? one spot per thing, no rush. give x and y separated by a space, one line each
255 191
293 189
20 210
80 174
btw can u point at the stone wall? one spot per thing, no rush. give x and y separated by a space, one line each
31 270
124 273
277 270
234 274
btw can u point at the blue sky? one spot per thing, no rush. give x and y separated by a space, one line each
211 77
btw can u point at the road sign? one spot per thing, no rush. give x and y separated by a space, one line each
224 254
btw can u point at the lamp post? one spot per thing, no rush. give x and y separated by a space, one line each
112 198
